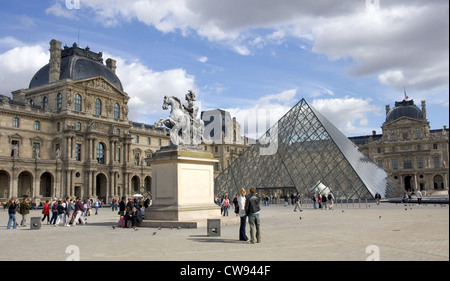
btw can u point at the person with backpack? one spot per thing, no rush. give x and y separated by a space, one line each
70 212
61 210
12 208
331 199
298 203
324 201
54 212
24 210
79 210
378 198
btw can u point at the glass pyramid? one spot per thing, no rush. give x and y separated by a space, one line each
306 153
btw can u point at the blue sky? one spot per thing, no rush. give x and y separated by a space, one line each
347 58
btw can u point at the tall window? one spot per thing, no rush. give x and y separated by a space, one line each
98 107
16 122
380 164
420 163
436 162
59 102
36 148
78 152
149 140
77 102
407 163
136 158
418 133
118 154
44 102
101 153
14 147
394 164
37 125
137 139
116 111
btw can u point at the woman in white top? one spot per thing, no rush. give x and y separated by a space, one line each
241 203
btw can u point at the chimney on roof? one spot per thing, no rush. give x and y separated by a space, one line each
388 108
374 133
424 109
111 64
55 61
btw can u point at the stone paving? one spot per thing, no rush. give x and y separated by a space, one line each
388 232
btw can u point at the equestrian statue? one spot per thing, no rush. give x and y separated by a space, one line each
185 128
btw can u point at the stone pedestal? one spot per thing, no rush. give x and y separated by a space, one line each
183 188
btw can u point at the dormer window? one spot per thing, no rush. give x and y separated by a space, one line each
59 102
77 102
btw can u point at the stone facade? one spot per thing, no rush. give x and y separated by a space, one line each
408 150
68 134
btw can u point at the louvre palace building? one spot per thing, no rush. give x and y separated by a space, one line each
68 134
415 155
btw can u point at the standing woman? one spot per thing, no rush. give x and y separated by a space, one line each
12 205
226 205
46 211
241 205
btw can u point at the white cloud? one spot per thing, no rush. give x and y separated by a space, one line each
407 36
264 113
19 64
348 114
147 88
58 10
202 59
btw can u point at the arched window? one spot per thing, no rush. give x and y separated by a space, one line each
59 102
98 107
116 111
101 153
77 102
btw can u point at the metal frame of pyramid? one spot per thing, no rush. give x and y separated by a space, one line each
310 152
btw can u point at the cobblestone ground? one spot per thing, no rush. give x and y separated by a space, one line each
388 232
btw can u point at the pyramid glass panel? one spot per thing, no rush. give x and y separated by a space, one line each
305 152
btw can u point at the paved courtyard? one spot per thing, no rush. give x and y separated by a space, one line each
390 232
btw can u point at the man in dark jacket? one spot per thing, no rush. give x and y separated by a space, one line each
79 210
24 210
252 210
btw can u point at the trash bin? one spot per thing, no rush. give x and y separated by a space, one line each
213 227
35 223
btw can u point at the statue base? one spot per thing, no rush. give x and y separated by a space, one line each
183 188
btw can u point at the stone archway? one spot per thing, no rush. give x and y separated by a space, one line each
25 184
135 184
408 184
46 184
101 184
148 184
438 182
4 184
